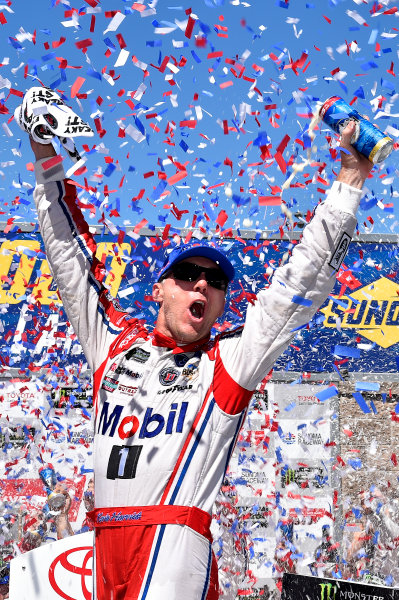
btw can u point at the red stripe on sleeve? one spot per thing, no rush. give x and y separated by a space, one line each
229 395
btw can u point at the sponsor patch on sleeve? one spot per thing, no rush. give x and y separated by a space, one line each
340 251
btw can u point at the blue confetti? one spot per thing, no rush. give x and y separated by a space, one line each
361 402
109 170
302 301
340 350
327 393
367 386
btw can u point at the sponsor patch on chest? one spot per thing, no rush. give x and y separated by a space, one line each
168 376
128 390
109 384
123 370
138 354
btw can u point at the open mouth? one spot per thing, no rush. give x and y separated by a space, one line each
197 309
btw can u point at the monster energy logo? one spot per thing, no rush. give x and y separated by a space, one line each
328 591
71 396
304 476
289 476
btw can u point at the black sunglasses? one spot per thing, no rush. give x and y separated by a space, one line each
187 271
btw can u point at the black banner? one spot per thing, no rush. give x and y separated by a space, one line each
302 587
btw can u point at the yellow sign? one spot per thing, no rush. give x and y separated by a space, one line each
17 262
373 311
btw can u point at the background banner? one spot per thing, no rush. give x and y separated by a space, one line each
357 322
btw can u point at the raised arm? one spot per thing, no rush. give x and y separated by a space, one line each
71 252
299 287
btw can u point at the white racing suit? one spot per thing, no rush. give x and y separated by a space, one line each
167 418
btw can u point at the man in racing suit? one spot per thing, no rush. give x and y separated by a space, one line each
169 403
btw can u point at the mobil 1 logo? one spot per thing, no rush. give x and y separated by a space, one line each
123 460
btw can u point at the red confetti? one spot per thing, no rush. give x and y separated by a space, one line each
217 54
283 144
222 218
281 162
16 93
51 162
269 200
191 123
228 163
390 11
226 84
76 86
57 44
164 64
201 42
121 41
138 6
177 177
83 44
390 70
140 225
190 27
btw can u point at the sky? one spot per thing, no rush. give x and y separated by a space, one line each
200 110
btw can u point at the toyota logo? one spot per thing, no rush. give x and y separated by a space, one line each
75 562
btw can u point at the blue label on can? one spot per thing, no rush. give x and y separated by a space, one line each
369 140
